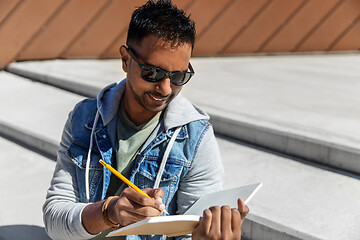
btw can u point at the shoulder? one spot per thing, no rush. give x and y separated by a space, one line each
82 117
86 106
198 128
84 111
182 112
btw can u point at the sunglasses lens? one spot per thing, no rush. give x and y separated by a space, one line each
152 74
180 78
160 75
177 78
149 74
155 74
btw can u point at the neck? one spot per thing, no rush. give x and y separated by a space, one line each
137 114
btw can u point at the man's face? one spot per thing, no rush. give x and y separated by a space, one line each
154 97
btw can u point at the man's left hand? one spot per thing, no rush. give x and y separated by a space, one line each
221 222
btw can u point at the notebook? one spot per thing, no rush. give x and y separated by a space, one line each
176 225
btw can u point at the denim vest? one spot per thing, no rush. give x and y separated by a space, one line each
147 161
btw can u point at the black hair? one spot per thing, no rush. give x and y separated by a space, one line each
162 19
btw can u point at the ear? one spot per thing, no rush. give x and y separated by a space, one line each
125 57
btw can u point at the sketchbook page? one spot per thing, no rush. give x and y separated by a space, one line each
174 225
226 197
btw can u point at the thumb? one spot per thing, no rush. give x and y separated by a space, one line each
243 209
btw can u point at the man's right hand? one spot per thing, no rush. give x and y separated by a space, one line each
131 206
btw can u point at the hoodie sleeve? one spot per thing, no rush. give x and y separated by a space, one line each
205 174
61 211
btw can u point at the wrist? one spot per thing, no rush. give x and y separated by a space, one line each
107 216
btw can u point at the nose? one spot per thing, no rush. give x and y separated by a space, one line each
164 86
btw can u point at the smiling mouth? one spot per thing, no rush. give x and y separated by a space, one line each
160 99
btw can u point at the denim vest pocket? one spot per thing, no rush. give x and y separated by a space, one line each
148 170
78 155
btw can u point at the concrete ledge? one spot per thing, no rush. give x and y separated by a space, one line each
34 114
334 155
256 228
297 200
23 232
56 81
25 178
30 139
300 143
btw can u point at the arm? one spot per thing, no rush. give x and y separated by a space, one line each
61 211
66 218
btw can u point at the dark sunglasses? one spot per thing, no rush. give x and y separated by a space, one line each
155 74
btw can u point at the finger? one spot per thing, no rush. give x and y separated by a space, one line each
157 194
244 210
205 222
215 228
147 211
226 221
138 198
121 210
236 222
134 202
127 218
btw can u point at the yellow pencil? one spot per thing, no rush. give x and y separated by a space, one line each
124 179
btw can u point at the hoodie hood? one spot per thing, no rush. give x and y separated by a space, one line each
178 112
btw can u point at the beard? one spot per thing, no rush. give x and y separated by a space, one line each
148 99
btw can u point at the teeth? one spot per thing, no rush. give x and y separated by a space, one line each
157 99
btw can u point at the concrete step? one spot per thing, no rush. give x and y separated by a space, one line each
84 77
304 105
25 178
297 201
33 113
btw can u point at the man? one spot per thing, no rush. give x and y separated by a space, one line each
148 132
